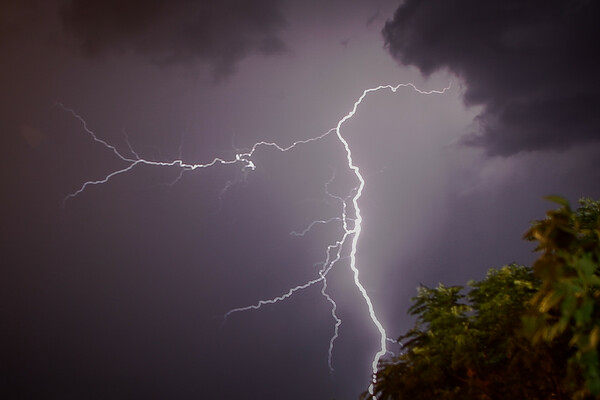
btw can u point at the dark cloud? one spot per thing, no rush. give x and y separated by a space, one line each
532 65
220 33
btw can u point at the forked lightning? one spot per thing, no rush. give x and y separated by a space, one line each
351 226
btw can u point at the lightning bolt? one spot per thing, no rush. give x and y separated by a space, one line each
351 226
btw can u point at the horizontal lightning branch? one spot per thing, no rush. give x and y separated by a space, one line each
240 158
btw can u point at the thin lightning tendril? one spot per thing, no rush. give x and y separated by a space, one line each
351 227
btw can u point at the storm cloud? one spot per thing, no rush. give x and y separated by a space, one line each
219 34
531 65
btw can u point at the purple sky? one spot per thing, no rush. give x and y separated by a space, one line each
121 293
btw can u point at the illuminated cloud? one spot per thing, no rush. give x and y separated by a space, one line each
530 64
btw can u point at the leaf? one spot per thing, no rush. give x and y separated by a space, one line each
550 300
568 307
583 314
587 265
595 337
558 200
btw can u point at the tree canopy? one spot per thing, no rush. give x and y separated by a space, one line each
518 333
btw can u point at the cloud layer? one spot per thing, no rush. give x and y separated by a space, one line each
220 33
532 65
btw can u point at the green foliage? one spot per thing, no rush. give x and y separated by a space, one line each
468 346
568 302
520 333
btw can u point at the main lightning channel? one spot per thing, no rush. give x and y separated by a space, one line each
358 219
351 226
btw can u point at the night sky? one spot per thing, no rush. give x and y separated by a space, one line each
120 292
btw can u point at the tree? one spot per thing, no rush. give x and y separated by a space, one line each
568 302
468 346
518 333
